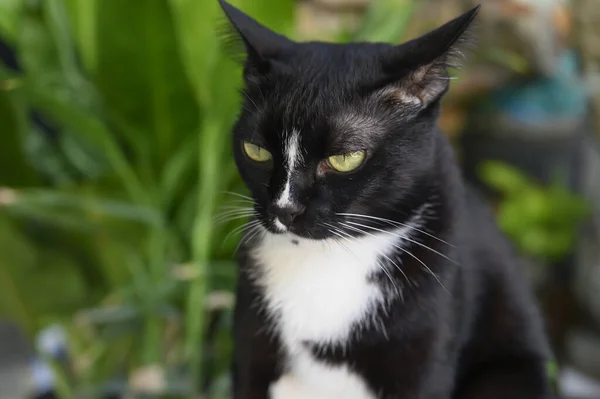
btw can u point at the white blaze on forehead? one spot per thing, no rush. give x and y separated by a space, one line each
293 158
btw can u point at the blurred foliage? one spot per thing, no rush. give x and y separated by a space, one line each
542 221
102 208
387 21
114 166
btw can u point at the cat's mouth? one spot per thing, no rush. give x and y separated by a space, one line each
278 226
296 230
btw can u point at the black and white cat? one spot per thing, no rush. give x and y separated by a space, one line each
372 270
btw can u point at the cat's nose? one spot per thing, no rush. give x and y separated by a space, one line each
286 214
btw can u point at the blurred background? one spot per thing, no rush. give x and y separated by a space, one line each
120 205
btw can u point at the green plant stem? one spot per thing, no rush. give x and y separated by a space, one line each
96 132
201 246
152 340
10 293
153 331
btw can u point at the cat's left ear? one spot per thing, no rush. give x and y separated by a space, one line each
260 44
417 71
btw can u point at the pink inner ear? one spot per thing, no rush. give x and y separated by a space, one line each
420 88
428 59
427 83
400 94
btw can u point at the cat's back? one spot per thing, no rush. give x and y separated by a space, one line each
501 302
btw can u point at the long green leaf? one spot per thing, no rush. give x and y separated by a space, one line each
15 169
147 88
87 206
10 17
195 27
94 131
84 24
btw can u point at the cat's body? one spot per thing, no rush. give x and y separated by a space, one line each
386 281
319 319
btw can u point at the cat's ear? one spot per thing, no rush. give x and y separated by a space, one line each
245 36
417 71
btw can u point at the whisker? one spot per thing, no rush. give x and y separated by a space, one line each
241 229
234 207
231 218
339 233
393 222
250 234
241 201
227 211
237 212
405 238
405 251
379 265
249 99
238 195
387 257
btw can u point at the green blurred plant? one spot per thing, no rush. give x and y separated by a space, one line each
107 221
100 218
542 221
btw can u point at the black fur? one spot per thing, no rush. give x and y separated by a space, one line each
474 332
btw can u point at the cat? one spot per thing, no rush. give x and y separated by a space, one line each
370 269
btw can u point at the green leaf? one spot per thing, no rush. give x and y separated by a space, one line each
89 207
93 130
10 17
84 25
15 170
278 16
198 46
177 170
503 177
141 77
385 21
16 255
37 53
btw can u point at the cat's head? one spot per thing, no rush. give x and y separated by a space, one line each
331 129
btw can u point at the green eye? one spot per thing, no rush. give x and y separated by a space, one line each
347 162
256 153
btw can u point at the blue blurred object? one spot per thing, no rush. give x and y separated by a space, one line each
51 343
562 96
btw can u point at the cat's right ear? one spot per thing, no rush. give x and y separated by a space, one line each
256 44
416 72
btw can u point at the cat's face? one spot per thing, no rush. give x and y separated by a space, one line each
328 130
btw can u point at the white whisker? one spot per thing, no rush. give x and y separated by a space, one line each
403 250
241 201
238 195
405 238
395 223
234 217
249 235
228 212
338 233
241 229
249 99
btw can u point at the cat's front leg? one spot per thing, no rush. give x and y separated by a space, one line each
506 378
256 356
288 387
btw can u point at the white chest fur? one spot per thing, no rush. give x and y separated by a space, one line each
320 291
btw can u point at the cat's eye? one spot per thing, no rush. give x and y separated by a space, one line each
256 153
347 162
